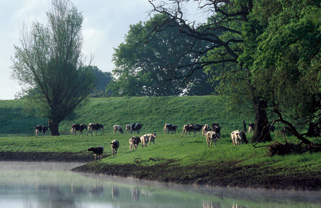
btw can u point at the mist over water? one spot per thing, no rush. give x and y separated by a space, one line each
53 185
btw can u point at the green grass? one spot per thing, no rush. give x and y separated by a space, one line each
151 111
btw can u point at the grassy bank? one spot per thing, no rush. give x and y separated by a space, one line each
178 159
173 158
152 112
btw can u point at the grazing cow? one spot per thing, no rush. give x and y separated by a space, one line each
133 142
238 137
114 146
144 140
42 129
78 127
205 129
96 127
97 151
170 128
216 127
251 127
210 137
198 128
135 127
151 137
188 128
127 129
117 128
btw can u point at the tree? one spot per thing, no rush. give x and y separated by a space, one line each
283 56
225 43
148 61
49 60
102 79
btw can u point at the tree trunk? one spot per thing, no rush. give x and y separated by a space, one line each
54 127
261 121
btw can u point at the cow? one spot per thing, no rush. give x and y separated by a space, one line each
78 127
42 129
98 151
144 140
238 137
114 147
197 127
251 127
135 127
188 128
210 137
127 129
117 128
216 127
170 128
133 142
151 137
205 129
96 127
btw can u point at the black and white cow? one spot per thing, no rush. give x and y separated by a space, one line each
78 127
42 129
95 127
98 151
216 128
114 146
188 128
135 127
170 128
133 142
251 127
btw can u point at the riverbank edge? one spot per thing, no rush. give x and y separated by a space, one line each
228 174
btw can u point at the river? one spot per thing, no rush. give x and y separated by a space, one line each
53 185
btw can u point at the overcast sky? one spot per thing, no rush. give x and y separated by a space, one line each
106 22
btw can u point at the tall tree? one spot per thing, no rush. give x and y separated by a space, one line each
225 43
148 60
49 60
283 55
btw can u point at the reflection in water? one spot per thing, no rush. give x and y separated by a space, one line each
52 185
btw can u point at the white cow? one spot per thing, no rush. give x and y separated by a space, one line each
117 129
144 140
211 136
151 137
238 137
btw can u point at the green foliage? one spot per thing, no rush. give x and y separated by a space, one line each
49 63
154 60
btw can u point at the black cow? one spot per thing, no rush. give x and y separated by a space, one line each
97 151
216 128
135 127
170 128
114 146
42 129
198 127
78 127
96 127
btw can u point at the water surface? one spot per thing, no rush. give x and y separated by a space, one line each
53 185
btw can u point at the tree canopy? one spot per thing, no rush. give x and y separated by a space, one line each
153 56
49 60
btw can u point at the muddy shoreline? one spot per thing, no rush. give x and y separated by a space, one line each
222 175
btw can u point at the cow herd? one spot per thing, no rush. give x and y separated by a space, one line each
211 133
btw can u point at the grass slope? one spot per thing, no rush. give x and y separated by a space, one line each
150 111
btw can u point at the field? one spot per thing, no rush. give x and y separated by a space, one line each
173 158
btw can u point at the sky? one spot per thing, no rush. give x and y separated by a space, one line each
106 22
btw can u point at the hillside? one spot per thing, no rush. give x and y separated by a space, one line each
150 111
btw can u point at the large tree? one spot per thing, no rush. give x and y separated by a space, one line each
49 60
148 61
225 44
